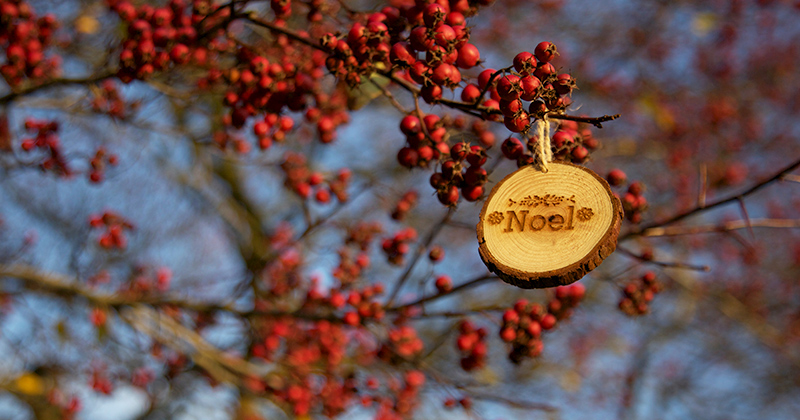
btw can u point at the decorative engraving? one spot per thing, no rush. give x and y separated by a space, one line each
495 218
563 215
584 214
545 200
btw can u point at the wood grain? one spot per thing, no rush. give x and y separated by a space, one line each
548 229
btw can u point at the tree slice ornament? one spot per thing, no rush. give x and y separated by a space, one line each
545 229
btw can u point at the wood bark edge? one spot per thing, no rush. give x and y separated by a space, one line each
563 276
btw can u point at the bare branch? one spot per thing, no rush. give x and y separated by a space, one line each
662 263
596 121
638 231
724 227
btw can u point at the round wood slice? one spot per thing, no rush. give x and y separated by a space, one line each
545 229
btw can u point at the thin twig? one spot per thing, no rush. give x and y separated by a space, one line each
743 208
471 283
662 263
701 196
420 250
390 97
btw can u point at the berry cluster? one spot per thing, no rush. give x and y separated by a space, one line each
398 246
404 205
142 376
402 345
107 100
535 79
98 162
465 402
638 293
158 37
634 202
146 280
115 226
256 86
100 382
271 128
362 234
223 139
438 31
364 49
523 324
425 140
299 397
480 129
570 143
455 175
69 405
47 140
364 304
471 342
349 268
328 114
24 38
301 180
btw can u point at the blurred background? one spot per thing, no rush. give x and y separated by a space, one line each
220 252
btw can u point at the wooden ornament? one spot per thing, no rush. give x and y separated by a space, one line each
544 229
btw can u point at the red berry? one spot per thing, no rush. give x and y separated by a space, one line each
508 334
484 76
323 196
510 108
579 154
351 318
410 125
548 321
408 157
508 87
449 196
530 87
524 63
468 56
616 177
260 129
545 52
443 284
472 193
517 124
512 148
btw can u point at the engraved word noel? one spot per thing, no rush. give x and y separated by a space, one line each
563 219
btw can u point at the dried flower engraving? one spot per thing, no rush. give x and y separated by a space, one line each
584 214
495 218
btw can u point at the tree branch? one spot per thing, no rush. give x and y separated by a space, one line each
471 283
725 227
639 231
57 82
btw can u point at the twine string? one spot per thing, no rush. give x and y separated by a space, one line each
545 151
